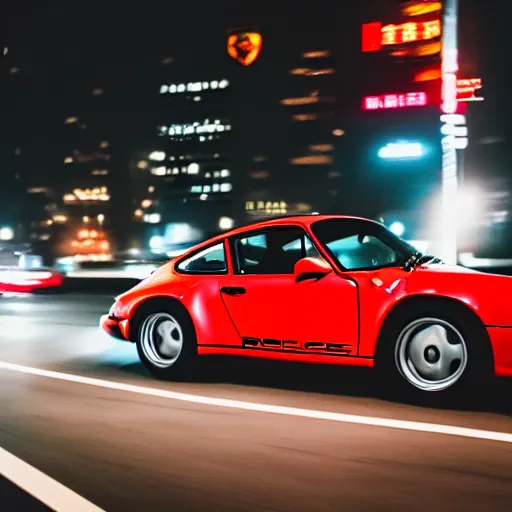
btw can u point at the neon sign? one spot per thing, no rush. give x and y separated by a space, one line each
375 36
466 88
393 101
245 47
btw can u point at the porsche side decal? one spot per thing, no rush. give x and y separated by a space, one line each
308 346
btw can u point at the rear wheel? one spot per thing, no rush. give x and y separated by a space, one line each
438 350
165 339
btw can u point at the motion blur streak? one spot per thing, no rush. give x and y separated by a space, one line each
41 486
273 409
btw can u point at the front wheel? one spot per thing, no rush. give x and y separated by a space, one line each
431 354
435 351
166 341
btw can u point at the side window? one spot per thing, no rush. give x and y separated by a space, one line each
304 245
275 251
211 260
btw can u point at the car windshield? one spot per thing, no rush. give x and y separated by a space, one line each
357 244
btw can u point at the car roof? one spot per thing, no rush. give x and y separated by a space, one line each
297 220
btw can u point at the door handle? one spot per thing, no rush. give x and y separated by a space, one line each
232 290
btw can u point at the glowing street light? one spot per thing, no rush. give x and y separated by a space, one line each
397 228
6 234
401 150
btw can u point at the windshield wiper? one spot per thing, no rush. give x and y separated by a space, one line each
419 258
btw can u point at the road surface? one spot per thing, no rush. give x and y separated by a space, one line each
78 410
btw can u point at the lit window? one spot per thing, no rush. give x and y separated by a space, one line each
215 187
226 187
223 84
97 92
203 197
181 88
104 144
142 164
214 84
193 168
173 89
164 89
68 160
99 172
146 203
208 175
206 85
224 173
159 171
305 100
152 218
197 98
259 175
316 54
312 160
207 189
151 189
304 117
226 223
321 148
138 213
249 205
158 156
196 189
71 120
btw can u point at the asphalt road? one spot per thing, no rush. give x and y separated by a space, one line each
124 449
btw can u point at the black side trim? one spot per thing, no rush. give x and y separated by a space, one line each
260 349
498 326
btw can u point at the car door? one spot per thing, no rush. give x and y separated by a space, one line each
272 310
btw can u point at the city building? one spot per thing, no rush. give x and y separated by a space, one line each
84 183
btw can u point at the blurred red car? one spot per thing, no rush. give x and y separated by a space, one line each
322 289
17 280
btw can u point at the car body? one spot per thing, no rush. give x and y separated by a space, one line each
321 289
19 280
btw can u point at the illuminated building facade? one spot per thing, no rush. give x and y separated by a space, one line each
184 182
84 186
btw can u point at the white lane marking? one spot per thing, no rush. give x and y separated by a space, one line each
415 426
41 486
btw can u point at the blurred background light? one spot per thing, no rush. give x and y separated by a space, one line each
399 150
397 228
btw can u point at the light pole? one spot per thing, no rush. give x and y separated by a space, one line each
449 69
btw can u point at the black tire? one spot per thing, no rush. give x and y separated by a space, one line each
397 373
155 317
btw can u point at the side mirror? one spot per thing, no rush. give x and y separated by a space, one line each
311 268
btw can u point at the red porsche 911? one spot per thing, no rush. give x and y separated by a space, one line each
321 289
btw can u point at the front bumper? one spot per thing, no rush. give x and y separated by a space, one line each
501 342
115 327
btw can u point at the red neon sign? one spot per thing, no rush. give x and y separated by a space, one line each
466 88
375 36
372 37
392 101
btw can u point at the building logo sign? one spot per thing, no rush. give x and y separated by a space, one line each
244 47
